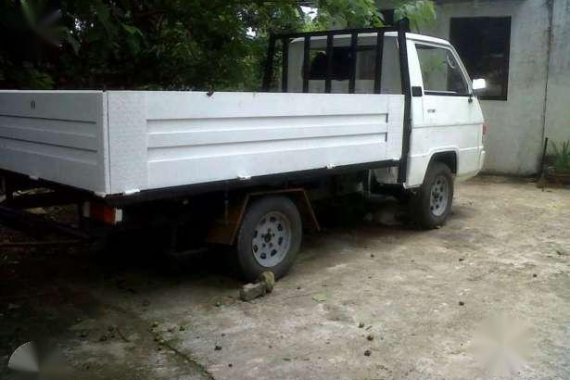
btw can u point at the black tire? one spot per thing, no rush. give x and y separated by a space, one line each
430 214
248 261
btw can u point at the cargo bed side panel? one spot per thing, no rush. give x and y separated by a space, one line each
56 136
194 137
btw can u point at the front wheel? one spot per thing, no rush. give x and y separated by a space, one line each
432 203
269 237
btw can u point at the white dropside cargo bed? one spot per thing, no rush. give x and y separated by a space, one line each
126 141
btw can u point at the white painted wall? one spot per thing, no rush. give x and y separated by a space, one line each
517 126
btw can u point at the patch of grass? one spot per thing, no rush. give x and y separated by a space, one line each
561 156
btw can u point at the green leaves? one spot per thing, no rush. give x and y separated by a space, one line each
103 13
43 21
561 156
340 14
419 12
161 44
28 13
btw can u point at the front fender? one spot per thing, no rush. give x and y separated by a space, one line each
419 163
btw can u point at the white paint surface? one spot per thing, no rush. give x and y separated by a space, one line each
442 123
54 137
122 142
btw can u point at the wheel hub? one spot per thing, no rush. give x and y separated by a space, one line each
271 239
439 196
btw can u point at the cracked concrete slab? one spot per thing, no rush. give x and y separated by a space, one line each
494 279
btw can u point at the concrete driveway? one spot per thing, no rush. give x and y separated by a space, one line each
486 296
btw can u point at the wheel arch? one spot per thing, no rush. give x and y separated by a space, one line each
420 164
427 200
226 228
448 158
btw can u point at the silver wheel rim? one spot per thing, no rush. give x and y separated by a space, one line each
271 239
439 196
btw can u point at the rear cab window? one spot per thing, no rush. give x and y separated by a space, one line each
341 65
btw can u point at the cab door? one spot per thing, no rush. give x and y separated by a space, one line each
452 118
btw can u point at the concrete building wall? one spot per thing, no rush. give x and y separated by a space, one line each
517 126
558 94
515 132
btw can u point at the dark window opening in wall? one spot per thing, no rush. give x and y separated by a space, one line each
483 44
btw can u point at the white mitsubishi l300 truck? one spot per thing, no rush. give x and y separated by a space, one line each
362 110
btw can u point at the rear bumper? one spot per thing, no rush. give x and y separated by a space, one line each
481 160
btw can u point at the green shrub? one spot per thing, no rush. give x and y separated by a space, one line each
561 156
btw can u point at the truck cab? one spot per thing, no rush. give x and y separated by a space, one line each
446 119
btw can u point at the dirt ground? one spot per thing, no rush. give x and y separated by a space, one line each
486 296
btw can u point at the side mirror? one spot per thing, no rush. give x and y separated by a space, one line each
479 85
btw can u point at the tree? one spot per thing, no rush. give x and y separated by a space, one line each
159 44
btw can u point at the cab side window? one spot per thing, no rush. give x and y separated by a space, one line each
441 72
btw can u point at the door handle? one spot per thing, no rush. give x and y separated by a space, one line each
431 110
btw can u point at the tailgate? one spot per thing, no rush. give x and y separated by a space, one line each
55 135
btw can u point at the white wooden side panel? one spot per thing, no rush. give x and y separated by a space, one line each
54 135
194 138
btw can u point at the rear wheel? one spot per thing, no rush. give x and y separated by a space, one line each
269 237
432 203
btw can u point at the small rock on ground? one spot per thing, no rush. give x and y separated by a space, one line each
252 291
